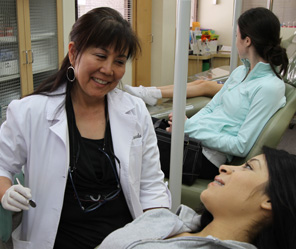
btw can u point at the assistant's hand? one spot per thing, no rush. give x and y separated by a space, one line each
170 122
16 198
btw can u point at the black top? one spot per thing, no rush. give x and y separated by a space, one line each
93 175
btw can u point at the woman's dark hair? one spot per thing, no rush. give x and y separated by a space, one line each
263 28
280 188
100 27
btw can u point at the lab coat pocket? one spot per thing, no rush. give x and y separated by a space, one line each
17 242
137 141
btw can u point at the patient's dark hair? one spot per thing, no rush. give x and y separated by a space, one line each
263 28
280 188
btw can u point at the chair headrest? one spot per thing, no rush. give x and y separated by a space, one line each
290 45
290 76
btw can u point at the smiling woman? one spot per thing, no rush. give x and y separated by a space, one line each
88 149
240 182
98 71
248 206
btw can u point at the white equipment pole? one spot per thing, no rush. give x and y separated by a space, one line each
179 100
238 5
270 4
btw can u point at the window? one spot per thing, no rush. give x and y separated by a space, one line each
122 6
284 9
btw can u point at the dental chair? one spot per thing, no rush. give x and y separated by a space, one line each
270 136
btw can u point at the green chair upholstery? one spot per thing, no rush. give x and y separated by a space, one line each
5 224
290 45
6 217
290 76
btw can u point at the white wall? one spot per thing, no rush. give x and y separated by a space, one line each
218 17
163 46
69 19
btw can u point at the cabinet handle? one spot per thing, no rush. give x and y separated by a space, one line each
32 56
151 38
26 57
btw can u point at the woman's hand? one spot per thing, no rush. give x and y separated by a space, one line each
170 122
16 198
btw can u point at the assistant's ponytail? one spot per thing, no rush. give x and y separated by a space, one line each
277 57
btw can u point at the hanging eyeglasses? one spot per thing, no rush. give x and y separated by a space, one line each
99 200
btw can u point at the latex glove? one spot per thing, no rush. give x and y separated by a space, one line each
16 198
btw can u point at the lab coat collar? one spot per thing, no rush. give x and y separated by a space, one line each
118 101
56 113
119 107
122 122
56 108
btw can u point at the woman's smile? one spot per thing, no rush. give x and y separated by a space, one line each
102 82
218 181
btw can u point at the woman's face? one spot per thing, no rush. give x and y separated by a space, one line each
240 44
97 70
237 188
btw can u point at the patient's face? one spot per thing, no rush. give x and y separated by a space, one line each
240 44
237 188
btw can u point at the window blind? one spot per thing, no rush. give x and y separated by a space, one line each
10 87
122 6
43 23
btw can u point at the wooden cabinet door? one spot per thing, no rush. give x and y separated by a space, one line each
43 47
142 14
31 46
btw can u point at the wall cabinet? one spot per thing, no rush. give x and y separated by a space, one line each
196 62
31 45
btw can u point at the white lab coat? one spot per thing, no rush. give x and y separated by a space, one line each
35 135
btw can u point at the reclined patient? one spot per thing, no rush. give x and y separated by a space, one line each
248 206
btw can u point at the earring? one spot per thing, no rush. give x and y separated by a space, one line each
71 74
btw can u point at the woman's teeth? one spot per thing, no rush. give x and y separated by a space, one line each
220 183
100 81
